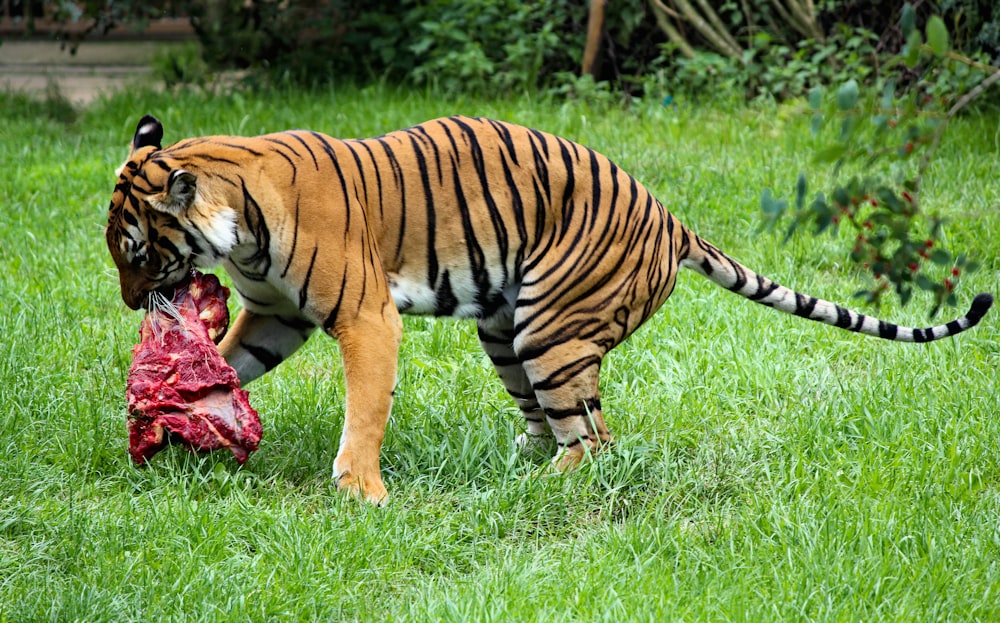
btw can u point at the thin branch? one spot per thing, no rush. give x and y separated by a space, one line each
806 15
706 30
956 107
720 28
660 12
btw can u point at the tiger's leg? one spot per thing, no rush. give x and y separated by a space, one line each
564 376
496 334
369 346
256 343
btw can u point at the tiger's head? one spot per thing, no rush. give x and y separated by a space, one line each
160 223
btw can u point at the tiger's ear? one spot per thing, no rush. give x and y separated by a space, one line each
149 132
181 188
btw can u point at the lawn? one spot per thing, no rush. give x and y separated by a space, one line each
766 468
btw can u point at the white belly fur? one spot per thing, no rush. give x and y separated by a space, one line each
416 297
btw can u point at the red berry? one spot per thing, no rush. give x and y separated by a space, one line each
955 272
907 197
908 148
868 225
913 267
948 285
929 244
892 123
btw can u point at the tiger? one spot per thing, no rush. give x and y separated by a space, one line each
557 253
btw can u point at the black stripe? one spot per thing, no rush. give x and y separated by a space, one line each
562 414
804 305
263 355
252 152
477 259
430 142
432 263
489 338
887 330
328 148
332 317
254 301
295 238
213 159
360 174
254 220
306 145
858 323
520 396
304 290
741 278
503 131
763 291
444 297
401 196
504 360
297 323
565 374
954 327
378 177
291 163
843 318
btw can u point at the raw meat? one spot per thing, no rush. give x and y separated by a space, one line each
179 388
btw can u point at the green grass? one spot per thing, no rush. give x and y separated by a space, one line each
766 468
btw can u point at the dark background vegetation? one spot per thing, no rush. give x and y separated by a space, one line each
755 48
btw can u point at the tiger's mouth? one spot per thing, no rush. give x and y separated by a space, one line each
167 292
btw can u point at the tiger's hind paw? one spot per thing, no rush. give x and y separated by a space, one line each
531 444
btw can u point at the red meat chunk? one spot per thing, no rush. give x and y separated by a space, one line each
179 388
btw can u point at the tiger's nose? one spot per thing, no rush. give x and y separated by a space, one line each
135 299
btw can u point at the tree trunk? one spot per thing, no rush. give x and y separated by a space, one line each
595 29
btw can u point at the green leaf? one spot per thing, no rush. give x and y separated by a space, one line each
829 154
908 20
771 207
816 97
888 95
911 52
941 257
800 191
848 126
905 295
791 231
937 35
841 197
926 284
847 95
816 124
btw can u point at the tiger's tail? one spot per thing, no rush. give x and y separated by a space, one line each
706 259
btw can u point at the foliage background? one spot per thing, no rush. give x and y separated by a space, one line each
493 46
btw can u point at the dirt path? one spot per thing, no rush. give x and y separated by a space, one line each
97 67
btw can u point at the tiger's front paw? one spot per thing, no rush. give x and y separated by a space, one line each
363 487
